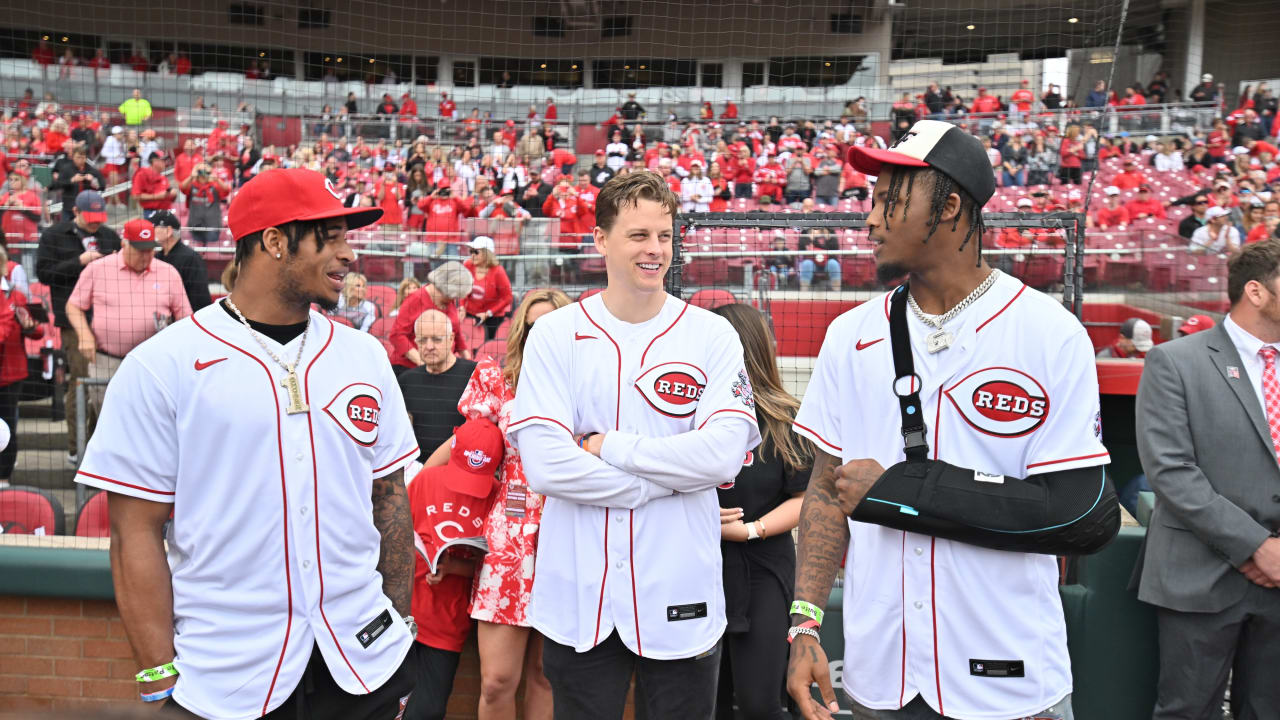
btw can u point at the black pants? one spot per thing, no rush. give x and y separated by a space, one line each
491 325
433 674
318 697
1197 650
9 413
1069 175
742 190
754 667
593 685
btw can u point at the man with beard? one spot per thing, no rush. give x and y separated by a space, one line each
277 439
973 338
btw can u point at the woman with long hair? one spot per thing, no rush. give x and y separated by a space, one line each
1071 156
405 289
757 515
490 299
509 647
418 187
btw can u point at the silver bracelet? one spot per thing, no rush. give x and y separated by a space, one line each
798 630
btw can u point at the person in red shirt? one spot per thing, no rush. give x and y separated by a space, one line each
185 161
1022 98
151 188
490 300
99 61
730 111
390 197
1222 195
1144 205
586 202
985 103
448 108
138 62
20 210
1113 213
562 204
741 171
1257 147
1130 178
443 497
443 210
769 179
43 54
408 107
1133 97
1266 228
445 286
551 114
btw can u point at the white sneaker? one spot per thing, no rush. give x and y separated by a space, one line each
73 460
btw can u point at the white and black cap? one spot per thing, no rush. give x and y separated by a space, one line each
936 144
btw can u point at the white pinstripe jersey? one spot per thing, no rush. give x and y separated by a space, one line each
1015 395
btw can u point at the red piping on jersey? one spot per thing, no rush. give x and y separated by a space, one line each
902 689
886 303
617 410
937 420
315 510
603 578
1055 462
513 425
631 549
1006 307
288 580
414 451
817 436
664 332
730 410
933 601
124 484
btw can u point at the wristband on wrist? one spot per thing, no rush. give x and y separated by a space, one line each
809 610
157 696
752 532
160 672
582 442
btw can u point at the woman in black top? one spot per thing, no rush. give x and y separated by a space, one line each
757 515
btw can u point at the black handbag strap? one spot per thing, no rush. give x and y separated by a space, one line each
914 431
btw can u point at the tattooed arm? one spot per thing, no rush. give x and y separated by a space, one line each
824 538
395 560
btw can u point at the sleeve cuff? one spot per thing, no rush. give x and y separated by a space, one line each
1068 463
103 482
537 420
617 447
400 462
823 444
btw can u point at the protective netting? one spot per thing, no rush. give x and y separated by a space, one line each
461 120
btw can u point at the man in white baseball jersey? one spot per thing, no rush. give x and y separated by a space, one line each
633 407
278 440
1007 388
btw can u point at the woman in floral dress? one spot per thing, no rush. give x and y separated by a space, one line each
509 648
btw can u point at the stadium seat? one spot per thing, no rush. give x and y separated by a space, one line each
341 320
472 332
381 328
712 298
91 518
496 349
384 296
30 511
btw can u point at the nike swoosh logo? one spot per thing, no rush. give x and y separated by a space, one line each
202 365
860 345
580 336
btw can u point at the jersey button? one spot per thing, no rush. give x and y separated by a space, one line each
919 551
919 605
306 565
303 510
298 457
618 564
618 518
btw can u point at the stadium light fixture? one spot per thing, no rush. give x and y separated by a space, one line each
328 58
575 67
626 67
64 38
371 61
262 54
46 37
339 59
543 66
1073 20
644 67
969 27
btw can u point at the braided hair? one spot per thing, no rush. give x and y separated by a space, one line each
943 186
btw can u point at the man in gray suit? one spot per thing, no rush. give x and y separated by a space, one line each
1212 558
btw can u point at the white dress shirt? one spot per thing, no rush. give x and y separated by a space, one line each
1248 346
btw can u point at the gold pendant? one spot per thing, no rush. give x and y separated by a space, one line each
938 341
290 383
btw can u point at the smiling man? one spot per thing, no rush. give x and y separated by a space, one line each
277 439
952 616
633 407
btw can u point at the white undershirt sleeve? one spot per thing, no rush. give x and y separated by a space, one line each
688 462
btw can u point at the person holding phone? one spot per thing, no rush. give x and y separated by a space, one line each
205 194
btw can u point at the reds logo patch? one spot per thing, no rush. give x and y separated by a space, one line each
1000 401
742 390
355 408
673 388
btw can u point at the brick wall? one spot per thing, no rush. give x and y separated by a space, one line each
64 653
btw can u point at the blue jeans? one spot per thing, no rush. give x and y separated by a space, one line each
808 268
1128 495
1012 180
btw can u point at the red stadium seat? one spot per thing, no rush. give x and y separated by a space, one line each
496 349
92 520
712 298
381 328
472 333
30 511
384 296
341 320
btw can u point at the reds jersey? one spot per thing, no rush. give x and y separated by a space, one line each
272 548
673 398
1015 395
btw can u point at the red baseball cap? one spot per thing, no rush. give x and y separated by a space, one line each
475 452
276 197
1195 324
141 234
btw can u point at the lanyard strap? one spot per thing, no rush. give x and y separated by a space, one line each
914 431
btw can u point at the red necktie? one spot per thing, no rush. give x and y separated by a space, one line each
1271 391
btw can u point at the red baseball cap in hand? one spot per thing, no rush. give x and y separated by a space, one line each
276 197
473 458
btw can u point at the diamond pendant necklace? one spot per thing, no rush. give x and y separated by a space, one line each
940 339
290 381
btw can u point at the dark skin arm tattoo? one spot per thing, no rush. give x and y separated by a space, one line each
824 535
395 525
